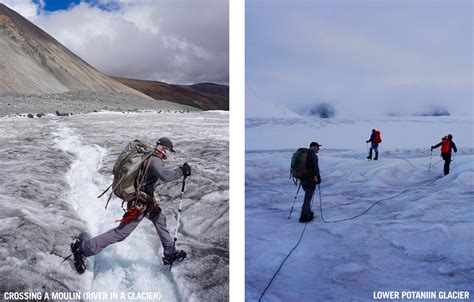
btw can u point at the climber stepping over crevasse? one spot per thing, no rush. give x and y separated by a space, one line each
137 172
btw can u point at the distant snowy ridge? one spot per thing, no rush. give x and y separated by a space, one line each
257 108
432 110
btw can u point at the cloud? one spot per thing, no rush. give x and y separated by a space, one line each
392 63
364 57
173 41
26 8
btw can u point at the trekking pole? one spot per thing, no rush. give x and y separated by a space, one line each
296 195
431 156
177 222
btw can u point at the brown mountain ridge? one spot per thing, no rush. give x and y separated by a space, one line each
31 61
205 96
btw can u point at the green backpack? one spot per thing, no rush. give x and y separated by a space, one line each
129 171
301 164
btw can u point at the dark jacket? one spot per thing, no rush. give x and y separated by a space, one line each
305 182
372 137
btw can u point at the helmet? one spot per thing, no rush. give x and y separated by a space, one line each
164 141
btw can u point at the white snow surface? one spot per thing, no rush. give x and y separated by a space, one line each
418 237
343 133
55 167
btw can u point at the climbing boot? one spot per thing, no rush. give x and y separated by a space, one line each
79 258
168 259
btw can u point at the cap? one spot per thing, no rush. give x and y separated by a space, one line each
164 141
314 144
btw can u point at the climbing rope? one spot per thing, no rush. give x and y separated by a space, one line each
406 161
333 221
369 208
395 156
336 221
287 256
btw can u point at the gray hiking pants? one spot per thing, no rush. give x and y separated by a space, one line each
308 196
97 244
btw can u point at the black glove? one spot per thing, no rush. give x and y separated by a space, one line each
186 169
432 148
367 141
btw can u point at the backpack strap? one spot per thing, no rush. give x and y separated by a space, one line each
113 190
310 162
140 178
132 211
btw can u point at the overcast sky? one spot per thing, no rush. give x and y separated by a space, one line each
176 41
362 56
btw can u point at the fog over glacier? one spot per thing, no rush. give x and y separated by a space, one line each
53 168
360 58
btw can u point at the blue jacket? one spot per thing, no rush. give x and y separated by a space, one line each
372 137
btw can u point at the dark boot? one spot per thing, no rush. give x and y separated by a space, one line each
303 218
168 259
307 218
370 155
79 258
376 156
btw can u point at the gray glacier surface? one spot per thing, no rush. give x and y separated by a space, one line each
53 168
